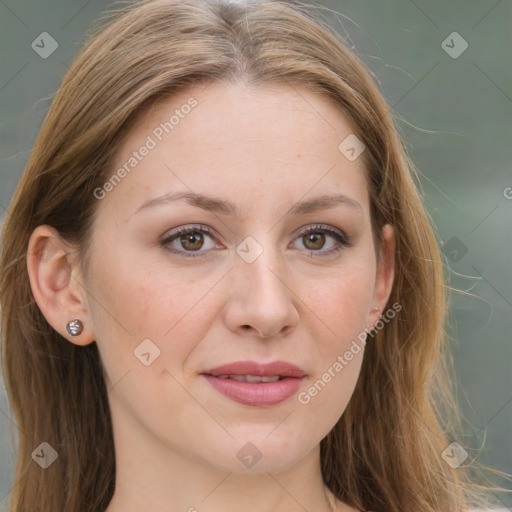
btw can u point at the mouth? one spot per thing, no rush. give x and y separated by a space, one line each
256 384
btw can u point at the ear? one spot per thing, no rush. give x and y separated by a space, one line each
56 283
385 274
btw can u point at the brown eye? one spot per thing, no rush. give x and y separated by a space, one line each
314 241
187 240
192 241
323 240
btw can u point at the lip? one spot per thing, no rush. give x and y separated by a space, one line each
256 394
281 368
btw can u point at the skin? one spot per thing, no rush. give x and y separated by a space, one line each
176 437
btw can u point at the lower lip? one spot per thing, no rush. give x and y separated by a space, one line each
257 394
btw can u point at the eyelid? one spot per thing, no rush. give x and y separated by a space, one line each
186 228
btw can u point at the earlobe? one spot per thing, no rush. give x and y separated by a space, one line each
56 285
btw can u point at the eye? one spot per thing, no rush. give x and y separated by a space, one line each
188 239
315 237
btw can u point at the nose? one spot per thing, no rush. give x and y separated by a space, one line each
261 300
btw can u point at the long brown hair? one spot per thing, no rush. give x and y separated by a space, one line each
384 454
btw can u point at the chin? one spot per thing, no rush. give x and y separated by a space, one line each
253 450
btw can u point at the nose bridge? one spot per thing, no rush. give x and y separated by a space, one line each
262 296
259 261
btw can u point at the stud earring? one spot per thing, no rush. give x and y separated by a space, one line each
74 327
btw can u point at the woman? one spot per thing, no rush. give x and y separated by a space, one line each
220 288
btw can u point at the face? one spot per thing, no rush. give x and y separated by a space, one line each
245 266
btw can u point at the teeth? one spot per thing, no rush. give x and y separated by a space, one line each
251 378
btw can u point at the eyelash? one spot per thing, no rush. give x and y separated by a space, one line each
342 239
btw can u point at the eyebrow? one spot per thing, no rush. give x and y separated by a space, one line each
225 207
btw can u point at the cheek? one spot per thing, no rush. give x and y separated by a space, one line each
133 300
341 306
341 302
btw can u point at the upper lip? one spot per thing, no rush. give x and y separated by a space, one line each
281 368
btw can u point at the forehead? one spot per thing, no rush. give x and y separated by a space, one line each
278 142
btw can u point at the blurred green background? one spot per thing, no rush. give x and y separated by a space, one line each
454 107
